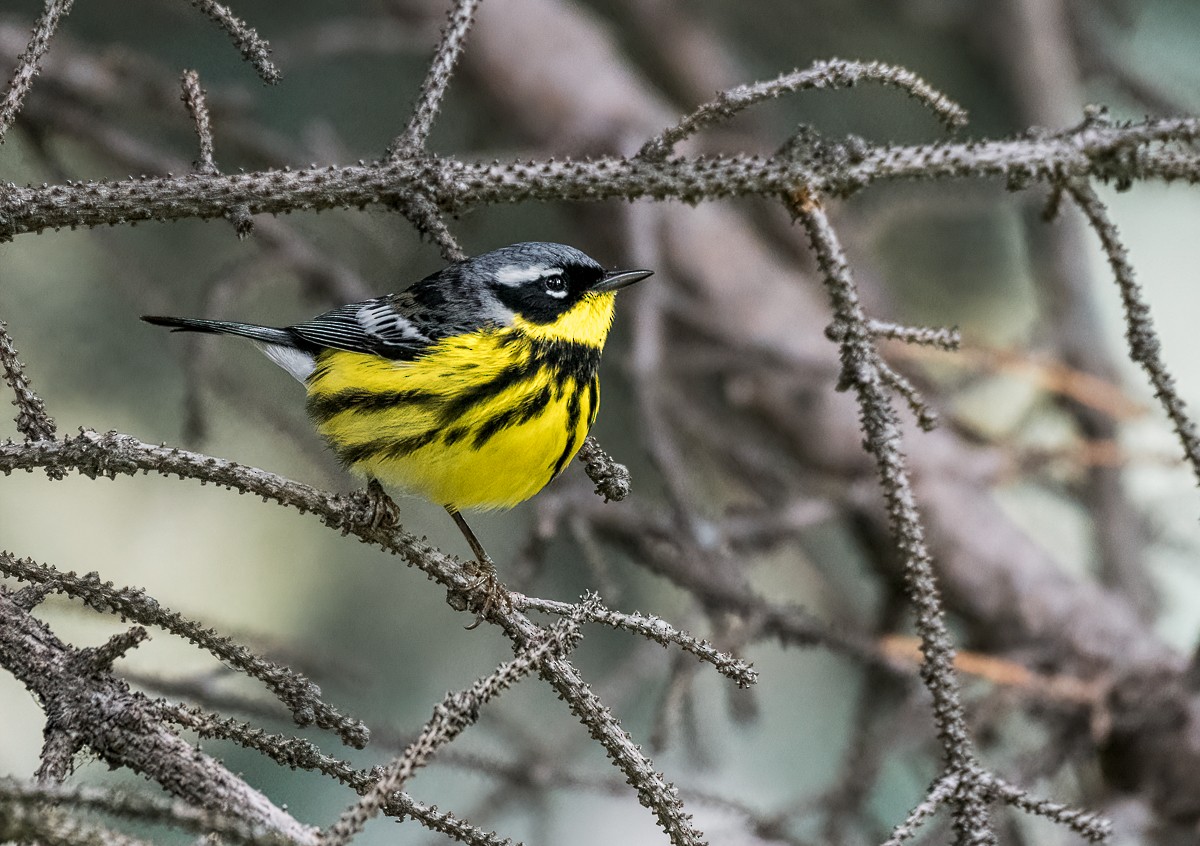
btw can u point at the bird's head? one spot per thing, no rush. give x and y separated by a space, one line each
549 290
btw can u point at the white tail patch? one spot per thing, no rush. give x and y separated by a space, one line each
296 362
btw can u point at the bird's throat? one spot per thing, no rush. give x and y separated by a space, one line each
586 323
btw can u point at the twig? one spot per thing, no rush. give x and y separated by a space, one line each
940 338
90 707
428 221
28 61
32 420
938 794
412 140
193 98
450 718
654 628
111 454
863 372
1144 345
253 47
832 73
611 477
300 695
135 806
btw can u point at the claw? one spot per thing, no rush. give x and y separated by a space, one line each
487 583
382 509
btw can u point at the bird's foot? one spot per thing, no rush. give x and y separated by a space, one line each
382 511
488 592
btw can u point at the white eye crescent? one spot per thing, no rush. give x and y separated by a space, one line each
556 285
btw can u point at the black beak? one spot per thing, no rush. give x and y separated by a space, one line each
617 279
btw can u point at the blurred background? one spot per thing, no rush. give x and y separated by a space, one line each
1054 482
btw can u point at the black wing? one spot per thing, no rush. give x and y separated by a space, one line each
385 326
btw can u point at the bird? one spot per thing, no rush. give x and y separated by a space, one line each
473 388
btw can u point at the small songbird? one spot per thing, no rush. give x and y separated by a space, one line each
473 388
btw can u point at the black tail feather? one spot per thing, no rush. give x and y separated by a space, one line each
262 334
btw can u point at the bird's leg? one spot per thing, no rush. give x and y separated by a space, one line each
381 508
488 582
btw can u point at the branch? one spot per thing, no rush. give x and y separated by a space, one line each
1144 345
611 477
95 709
1120 153
28 61
832 73
206 165
412 140
32 420
301 696
108 455
133 806
652 628
254 48
451 717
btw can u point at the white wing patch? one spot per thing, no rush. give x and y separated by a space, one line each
384 322
296 362
518 274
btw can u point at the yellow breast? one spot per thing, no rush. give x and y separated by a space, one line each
482 420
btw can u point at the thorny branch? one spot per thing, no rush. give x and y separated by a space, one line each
863 372
32 420
253 47
424 188
27 63
1144 345
1154 149
454 36
834 73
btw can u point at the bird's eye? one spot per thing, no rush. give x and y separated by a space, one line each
556 284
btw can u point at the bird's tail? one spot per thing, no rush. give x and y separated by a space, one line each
262 334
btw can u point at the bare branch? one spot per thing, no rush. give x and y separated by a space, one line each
133 806
254 48
299 694
427 220
611 477
942 339
937 795
451 717
1121 153
95 709
1144 345
112 454
833 73
206 165
32 420
863 372
654 628
193 98
28 61
412 140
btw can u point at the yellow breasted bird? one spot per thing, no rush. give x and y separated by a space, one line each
473 388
